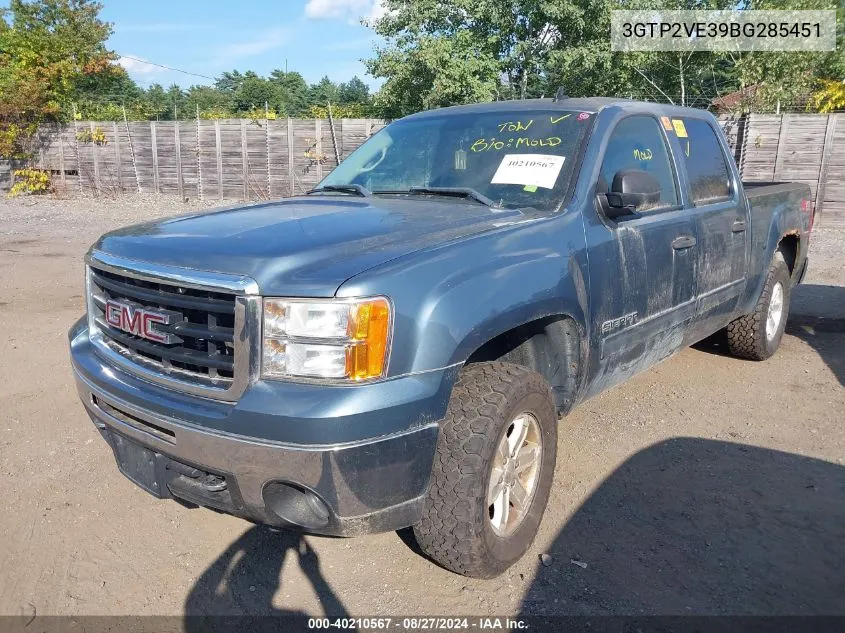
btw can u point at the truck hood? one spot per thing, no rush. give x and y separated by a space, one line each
304 246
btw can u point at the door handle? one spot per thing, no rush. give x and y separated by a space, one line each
738 226
683 241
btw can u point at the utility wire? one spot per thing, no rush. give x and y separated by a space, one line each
178 70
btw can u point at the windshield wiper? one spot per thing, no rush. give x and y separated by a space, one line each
358 190
457 192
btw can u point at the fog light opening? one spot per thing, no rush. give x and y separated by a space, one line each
296 505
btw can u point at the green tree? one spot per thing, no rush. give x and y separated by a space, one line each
353 91
292 94
253 92
433 71
102 96
455 51
583 62
176 103
46 48
115 84
787 79
229 81
324 91
156 101
209 101
441 52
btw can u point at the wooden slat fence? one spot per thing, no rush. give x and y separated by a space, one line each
240 159
263 159
807 148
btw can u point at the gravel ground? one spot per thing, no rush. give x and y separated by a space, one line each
22 216
705 485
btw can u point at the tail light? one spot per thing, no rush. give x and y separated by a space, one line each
807 208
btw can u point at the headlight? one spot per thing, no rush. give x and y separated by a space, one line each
340 339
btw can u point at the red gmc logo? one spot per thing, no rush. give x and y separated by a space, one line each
141 321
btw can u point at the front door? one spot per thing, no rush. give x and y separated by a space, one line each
642 266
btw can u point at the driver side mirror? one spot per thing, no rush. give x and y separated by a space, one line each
632 190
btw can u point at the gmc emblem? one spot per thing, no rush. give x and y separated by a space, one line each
140 321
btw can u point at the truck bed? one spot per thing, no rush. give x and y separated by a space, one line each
770 200
755 189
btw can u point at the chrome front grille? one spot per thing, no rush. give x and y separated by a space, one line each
213 318
205 327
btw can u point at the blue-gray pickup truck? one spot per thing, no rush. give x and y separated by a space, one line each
395 347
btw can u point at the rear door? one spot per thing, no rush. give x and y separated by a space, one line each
722 224
642 266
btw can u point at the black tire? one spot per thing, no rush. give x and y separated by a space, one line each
455 530
747 337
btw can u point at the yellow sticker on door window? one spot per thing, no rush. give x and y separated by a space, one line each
680 130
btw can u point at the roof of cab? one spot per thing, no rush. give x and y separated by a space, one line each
583 104
589 104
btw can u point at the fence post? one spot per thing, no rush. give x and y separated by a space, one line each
117 162
741 140
131 150
219 158
318 147
290 157
826 151
78 158
199 157
177 142
60 129
783 133
245 159
267 144
96 157
155 155
334 138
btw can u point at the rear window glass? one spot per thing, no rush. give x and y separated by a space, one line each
706 164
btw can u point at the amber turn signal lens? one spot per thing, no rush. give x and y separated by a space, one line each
337 339
369 333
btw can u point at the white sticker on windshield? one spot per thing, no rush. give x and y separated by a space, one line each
537 170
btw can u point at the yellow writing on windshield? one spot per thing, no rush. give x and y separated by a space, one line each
494 144
643 154
553 120
514 126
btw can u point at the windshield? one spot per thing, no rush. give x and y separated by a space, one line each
514 158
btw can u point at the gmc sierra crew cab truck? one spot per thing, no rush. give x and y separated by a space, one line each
395 347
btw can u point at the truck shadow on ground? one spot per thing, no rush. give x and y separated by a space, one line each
695 526
245 577
817 317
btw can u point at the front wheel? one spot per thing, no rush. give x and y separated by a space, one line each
756 336
492 472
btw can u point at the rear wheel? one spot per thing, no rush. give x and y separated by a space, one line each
756 336
492 472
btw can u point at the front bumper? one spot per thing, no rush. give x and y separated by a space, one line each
333 460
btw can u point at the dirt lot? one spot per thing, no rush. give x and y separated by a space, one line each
705 485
